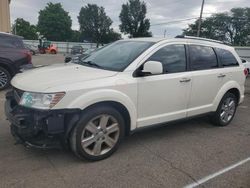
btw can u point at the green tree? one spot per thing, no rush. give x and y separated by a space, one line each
232 27
54 22
75 36
213 27
240 26
111 37
25 29
133 19
94 23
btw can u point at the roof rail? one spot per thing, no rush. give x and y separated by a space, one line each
9 34
200 38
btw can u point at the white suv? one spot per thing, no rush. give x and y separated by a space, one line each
91 104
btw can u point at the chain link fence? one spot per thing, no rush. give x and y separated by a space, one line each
243 52
63 47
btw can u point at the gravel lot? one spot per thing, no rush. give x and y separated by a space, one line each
171 156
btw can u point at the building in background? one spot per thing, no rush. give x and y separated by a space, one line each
5 16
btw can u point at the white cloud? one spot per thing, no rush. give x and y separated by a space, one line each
159 11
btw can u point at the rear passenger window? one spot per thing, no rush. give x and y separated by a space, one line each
202 57
172 57
226 58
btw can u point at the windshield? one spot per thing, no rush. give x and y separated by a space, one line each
88 51
116 56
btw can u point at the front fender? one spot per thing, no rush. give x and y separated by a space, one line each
102 95
224 89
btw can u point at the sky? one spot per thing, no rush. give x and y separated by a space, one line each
159 11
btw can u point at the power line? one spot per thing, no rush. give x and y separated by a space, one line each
194 18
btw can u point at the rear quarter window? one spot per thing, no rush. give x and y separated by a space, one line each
226 58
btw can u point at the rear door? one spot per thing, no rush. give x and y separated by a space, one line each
229 64
232 70
207 78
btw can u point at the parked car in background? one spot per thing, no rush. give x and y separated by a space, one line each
76 57
130 84
33 49
247 65
76 50
13 57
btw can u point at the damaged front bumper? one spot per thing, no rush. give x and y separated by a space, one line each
39 128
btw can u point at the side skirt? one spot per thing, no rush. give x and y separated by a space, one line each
154 126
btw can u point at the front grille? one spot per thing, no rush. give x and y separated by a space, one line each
18 94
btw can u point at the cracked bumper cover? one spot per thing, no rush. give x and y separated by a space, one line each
39 128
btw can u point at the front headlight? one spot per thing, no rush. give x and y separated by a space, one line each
40 100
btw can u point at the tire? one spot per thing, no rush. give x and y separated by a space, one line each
226 110
5 78
33 53
42 51
89 129
53 52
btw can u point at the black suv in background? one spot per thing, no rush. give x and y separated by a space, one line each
13 57
76 50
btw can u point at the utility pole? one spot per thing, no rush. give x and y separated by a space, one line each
199 24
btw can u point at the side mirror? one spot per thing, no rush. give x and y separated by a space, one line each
151 68
243 61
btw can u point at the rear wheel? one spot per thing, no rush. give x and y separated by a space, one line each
226 110
5 78
98 134
53 52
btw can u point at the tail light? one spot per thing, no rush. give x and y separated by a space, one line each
29 56
245 72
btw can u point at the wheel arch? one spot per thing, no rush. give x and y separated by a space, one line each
6 64
236 92
232 87
119 107
116 99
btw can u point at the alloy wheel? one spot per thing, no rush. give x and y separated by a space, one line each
100 135
227 109
3 79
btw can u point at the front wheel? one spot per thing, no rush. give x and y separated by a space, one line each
5 78
53 52
98 134
226 110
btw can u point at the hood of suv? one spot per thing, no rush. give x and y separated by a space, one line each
40 79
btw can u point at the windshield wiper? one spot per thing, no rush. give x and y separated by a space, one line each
90 63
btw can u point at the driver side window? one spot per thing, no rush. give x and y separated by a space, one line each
172 57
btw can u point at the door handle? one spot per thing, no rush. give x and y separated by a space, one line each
185 80
221 75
